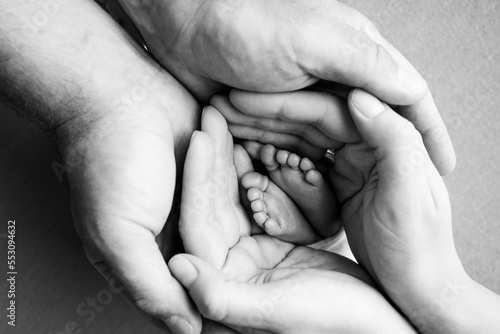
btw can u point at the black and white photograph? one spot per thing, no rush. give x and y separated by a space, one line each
250 167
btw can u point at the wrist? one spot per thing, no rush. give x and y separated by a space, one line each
441 306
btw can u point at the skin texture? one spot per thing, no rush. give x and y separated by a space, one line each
213 45
121 124
397 214
275 212
217 40
396 209
122 195
254 282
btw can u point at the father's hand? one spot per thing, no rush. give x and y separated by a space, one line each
278 46
121 168
121 125
273 46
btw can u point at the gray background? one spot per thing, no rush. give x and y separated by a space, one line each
454 44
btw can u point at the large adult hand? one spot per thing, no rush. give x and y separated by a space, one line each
251 281
122 174
273 46
122 125
121 169
278 46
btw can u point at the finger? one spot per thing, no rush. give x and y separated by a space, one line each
324 111
242 161
305 131
282 140
347 54
426 118
215 126
331 87
139 269
212 327
199 230
229 302
253 149
423 113
401 156
243 165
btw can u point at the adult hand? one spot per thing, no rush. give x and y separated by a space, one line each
278 46
121 169
396 212
395 206
251 281
122 125
310 122
273 46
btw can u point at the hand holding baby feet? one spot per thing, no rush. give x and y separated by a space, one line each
210 199
396 211
253 282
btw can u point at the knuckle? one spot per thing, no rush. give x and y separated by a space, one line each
410 132
149 307
212 307
382 61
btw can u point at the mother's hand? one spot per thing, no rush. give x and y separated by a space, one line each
253 282
396 211
278 46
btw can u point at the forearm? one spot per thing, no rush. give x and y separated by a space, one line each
60 59
461 306
476 310
79 64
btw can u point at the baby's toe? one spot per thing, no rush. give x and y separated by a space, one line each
272 227
255 180
254 194
242 162
293 161
268 157
258 205
282 157
260 218
314 177
306 165
253 148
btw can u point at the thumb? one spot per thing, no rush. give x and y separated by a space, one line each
399 149
236 304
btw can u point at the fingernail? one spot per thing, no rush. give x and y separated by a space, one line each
184 269
411 80
366 104
179 325
192 136
203 111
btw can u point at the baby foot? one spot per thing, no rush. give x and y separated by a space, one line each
275 212
299 178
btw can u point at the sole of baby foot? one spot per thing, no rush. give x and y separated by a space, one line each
299 178
275 212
